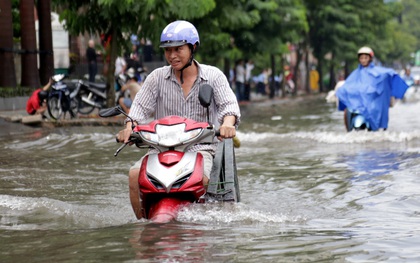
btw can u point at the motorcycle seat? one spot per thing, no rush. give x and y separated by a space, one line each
96 85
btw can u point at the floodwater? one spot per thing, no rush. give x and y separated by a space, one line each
310 191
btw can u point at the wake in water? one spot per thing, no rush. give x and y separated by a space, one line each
218 213
29 213
353 137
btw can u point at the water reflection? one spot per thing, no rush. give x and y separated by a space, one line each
172 242
369 164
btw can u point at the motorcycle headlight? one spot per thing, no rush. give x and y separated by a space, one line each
170 136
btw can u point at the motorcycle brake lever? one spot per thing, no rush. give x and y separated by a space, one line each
120 148
133 139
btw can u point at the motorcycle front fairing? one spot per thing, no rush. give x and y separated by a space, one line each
170 175
173 174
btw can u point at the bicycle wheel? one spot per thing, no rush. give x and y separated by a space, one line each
83 107
54 107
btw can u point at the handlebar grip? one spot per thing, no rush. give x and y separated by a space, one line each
217 133
135 137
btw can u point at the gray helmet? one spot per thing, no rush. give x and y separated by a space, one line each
179 33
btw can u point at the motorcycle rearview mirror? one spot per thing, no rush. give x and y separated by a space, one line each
205 95
115 111
110 112
58 77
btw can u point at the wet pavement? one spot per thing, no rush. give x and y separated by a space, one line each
21 117
18 116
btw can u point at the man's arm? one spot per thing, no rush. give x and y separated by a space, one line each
48 85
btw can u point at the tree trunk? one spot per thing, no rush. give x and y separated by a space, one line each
332 74
283 81
111 69
46 55
321 74
296 72
7 64
346 69
226 68
30 76
272 79
308 70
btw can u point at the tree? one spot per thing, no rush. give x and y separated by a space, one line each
282 22
117 18
7 65
30 77
46 55
410 20
340 27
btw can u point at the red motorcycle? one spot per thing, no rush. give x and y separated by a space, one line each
172 177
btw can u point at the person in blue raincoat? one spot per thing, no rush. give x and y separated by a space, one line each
369 91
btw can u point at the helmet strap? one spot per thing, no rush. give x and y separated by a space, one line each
187 65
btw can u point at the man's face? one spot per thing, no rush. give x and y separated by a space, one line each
364 60
177 57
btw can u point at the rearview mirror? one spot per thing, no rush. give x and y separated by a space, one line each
111 112
205 95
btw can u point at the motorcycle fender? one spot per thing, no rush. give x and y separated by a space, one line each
165 210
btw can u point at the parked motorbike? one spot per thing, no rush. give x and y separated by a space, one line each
62 98
91 95
172 178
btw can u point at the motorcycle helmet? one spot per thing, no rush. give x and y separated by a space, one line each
365 50
179 33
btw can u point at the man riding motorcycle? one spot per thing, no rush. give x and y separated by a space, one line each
173 90
367 94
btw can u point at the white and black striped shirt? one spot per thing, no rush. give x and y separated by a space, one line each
161 95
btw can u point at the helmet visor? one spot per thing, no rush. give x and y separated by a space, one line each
173 43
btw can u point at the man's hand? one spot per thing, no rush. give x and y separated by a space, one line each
227 129
124 135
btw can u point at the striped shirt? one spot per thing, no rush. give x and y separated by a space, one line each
161 95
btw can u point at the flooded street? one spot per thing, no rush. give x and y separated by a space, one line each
310 192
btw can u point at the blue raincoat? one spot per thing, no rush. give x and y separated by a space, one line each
368 91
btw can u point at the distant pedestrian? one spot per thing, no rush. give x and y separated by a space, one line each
407 77
240 80
129 91
120 67
37 102
249 66
91 56
314 79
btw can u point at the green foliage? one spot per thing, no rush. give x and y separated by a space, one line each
257 28
9 92
16 19
341 27
183 9
410 21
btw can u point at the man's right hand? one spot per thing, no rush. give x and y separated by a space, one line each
124 135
